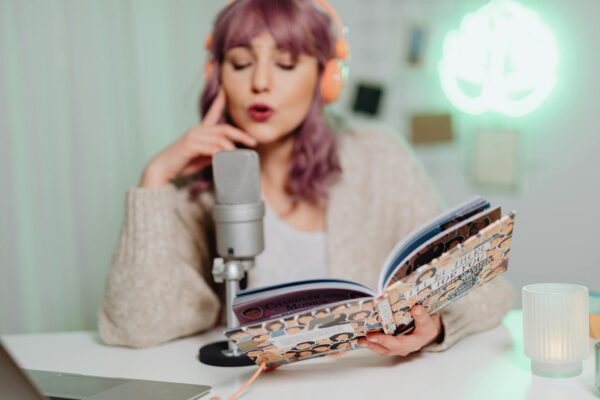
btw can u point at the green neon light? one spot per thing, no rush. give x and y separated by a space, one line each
502 59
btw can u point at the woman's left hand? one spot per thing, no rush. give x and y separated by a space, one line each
427 329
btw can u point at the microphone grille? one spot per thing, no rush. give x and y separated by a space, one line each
236 177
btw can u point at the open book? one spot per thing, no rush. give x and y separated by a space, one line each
433 266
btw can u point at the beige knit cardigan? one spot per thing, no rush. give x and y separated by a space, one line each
160 287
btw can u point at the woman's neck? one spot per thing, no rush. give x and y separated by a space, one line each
275 160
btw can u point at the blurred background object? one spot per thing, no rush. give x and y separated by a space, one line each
431 128
595 315
91 90
368 98
495 159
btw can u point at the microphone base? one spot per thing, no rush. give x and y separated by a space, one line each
217 354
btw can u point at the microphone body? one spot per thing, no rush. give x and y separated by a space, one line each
239 210
239 229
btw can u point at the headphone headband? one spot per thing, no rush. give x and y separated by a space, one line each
341 45
333 76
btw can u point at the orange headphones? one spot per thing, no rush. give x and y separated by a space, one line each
332 80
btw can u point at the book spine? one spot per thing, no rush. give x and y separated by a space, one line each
385 314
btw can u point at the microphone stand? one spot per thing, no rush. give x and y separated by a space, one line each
238 214
226 353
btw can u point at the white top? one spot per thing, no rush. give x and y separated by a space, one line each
289 254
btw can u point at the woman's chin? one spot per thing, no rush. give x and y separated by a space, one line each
266 136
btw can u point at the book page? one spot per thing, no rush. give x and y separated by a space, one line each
418 237
443 242
446 279
284 304
309 334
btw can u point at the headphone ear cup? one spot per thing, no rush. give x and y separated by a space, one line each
208 41
208 68
332 81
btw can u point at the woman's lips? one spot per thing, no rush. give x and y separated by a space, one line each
260 112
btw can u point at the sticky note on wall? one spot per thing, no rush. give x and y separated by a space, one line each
495 158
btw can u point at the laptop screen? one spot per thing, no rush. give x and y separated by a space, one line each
14 384
78 386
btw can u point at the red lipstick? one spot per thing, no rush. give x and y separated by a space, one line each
260 112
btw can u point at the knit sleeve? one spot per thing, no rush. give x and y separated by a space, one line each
155 289
481 309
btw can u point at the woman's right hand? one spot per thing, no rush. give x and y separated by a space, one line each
193 151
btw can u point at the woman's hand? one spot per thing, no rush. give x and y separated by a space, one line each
427 330
193 151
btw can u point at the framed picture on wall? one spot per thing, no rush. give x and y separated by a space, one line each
417 40
368 97
495 159
431 128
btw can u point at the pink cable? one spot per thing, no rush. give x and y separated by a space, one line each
246 385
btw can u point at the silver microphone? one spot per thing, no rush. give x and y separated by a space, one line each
238 213
239 210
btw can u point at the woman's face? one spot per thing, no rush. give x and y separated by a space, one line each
263 75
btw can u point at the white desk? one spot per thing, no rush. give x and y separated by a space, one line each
489 366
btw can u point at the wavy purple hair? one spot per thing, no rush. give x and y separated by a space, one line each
299 27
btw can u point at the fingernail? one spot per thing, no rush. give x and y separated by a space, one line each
373 340
418 312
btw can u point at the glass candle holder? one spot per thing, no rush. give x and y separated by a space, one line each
556 328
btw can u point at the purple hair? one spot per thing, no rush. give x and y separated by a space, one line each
299 27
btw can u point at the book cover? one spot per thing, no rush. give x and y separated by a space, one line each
313 330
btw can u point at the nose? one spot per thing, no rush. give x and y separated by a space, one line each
261 80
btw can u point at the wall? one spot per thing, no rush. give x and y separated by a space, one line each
89 91
557 196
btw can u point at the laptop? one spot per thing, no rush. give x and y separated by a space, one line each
18 384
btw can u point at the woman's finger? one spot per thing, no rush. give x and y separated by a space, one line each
195 166
397 345
225 143
203 158
195 143
382 351
424 324
216 109
233 133
237 134
426 330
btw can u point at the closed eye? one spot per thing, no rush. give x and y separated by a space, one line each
239 67
287 67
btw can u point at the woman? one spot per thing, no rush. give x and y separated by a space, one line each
336 202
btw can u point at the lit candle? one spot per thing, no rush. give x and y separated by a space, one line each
555 328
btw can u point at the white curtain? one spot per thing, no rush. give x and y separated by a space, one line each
89 91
